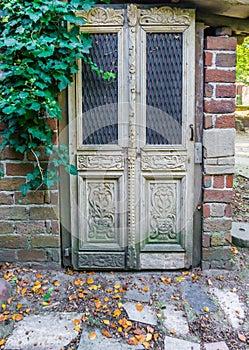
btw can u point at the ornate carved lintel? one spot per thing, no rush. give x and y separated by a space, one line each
164 162
102 16
165 16
100 162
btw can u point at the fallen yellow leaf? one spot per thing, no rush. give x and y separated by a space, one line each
106 322
148 336
139 307
92 336
2 342
89 280
117 286
77 328
106 334
116 313
76 321
17 317
206 309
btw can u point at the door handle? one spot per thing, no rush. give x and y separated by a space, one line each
192 133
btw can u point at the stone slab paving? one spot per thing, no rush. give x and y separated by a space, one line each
44 331
136 295
174 320
147 315
216 346
240 234
232 307
103 343
179 344
197 298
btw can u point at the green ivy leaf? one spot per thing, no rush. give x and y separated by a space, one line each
71 169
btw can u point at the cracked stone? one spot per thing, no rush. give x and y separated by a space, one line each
174 320
147 315
179 344
231 306
197 298
101 342
44 331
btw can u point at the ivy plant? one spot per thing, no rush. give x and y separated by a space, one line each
38 57
242 67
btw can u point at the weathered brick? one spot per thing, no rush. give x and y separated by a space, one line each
13 241
229 181
208 90
219 106
225 59
218 209
206 240
8 153
45 241
225 121
219 142
228 91
206 210
220 43
55 227
208 58
208 122
31 255
3 126
8 255
219 239
13 213
216 253
53 255
219 76
34 197
6 227
219 169
43 213
20 169
30 227
42 156
11 184
228 211
219 181
219 196
217 225
52 123
207 181
6 198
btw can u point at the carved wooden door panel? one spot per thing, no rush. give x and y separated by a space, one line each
131 135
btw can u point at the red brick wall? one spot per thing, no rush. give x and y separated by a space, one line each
219 134
29 226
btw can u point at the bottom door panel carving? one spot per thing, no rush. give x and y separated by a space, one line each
101 212
163 210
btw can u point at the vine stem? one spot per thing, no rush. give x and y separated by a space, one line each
38 164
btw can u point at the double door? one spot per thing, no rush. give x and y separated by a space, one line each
131 136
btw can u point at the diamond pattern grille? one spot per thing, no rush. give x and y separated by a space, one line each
164 88
99 96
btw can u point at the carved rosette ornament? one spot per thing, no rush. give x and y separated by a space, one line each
163 213
102 16
100 162
165 16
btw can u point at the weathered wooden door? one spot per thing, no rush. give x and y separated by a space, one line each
132 138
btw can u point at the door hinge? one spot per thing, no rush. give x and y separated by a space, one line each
67 252
198 152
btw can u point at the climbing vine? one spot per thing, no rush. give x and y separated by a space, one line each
38 57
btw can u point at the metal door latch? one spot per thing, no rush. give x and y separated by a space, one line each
198 152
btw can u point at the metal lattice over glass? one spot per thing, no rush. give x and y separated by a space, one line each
100 96
164 88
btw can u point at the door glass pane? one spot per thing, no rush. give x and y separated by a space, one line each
100 96
164 88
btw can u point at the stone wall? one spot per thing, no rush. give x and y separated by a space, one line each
219 144
29 226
